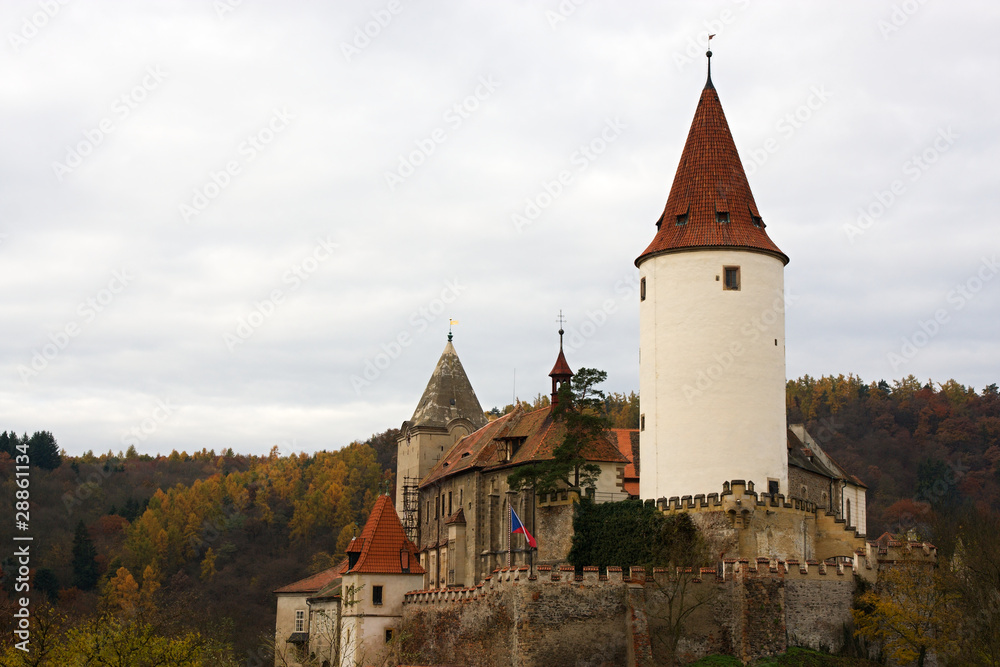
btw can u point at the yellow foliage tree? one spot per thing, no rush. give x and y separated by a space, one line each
208 565
121 593
912 612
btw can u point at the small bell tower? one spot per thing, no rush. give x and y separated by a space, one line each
561 372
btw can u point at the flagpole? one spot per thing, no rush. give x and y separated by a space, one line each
510 527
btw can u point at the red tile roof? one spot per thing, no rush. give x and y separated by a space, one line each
561 369
315 582
537 433
382 547
709 180
627 440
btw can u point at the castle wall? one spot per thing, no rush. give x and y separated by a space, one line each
555 617
739 522
813 487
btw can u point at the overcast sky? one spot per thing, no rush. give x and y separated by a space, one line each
241 224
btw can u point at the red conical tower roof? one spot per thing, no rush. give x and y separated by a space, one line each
709 182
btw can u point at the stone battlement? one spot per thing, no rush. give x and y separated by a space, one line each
731 569
737 496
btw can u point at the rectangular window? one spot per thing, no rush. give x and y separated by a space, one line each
388 635
300 620
682 219
722 217
642 422
642 289
772 487
461 497
377 595
732 281
449 503
437 507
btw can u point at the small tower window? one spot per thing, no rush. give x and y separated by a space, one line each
682 219
642 289
757 221
722 217
732 281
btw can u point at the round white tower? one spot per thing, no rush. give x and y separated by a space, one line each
711 328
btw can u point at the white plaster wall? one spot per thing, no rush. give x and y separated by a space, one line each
711 373
608 481
284 626
363 624
859 510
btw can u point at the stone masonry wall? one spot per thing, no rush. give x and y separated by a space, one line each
556 617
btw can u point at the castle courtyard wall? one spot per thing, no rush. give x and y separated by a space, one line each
555 617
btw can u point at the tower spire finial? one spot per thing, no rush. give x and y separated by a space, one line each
708 55
560 320
451 323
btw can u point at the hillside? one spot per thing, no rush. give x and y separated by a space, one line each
205 537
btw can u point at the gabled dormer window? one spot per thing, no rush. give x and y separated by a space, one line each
722 217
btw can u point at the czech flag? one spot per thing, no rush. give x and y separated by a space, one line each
517 527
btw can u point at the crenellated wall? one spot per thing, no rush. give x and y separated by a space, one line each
739 522
555 616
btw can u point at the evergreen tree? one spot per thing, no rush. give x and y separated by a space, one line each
44 451
85 574
581 411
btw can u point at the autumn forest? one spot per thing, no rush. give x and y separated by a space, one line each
175 556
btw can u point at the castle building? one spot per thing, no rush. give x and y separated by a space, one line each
447 411
459 515
350 614
711 327
712 442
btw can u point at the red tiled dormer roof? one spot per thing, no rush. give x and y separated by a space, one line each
536 434
316 582
710 180
382 547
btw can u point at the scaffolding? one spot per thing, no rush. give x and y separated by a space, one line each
411 507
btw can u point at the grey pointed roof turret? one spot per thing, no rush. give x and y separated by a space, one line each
449 395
